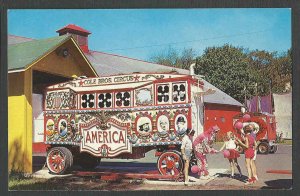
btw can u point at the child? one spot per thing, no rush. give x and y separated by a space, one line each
231 146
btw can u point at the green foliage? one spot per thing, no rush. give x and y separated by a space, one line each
227 68
231 69
172 57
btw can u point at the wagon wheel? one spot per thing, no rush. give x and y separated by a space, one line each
59 160
170 163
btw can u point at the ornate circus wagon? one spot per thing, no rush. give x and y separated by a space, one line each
122 116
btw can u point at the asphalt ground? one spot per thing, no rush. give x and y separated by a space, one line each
281 160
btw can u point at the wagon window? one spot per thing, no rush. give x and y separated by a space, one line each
105 100
123 99
87 101
163 93
179 92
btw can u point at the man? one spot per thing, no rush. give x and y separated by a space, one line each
181 125
163 125
186 152
63 129
144 127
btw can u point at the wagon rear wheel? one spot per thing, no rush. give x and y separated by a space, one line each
170 163
59 160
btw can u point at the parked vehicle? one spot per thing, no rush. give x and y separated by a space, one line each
122 116
265 129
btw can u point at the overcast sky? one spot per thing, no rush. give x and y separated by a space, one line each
143 32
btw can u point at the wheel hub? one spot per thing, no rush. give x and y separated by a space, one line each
170 164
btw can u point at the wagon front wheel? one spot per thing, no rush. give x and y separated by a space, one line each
59 160
170 163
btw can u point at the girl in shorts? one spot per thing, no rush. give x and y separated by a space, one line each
230 145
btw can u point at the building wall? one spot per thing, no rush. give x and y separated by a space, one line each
221 115
283 114
20 121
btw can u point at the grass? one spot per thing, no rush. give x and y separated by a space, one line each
288 142
18 181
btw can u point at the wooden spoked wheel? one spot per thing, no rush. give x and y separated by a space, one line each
59 160
170 163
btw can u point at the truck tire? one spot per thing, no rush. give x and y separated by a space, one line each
87 161
170 163
273 149
59 160
263 148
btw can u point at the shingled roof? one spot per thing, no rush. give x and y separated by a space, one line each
21 55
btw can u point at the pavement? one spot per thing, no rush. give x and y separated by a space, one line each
214 173
218 168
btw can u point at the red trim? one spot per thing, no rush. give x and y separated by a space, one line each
73 27
39 147
280 172
178 79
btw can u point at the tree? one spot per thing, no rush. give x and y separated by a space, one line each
172 57
227 68
271 67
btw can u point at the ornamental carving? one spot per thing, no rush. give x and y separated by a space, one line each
58 100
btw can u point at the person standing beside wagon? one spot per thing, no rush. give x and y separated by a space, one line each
186 152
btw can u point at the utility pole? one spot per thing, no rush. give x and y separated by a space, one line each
257 102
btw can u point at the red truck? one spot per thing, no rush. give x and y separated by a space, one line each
265 129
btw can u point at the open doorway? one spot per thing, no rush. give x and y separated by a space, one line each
40 80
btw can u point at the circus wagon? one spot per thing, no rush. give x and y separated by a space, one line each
121 116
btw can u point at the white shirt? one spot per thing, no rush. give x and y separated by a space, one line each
230 144
186 143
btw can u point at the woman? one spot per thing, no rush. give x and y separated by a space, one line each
186 151
249 148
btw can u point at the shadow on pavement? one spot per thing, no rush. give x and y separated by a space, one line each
243 178
38 162
279 184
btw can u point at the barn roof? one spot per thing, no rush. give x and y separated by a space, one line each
23 54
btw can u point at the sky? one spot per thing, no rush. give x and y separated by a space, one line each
142 33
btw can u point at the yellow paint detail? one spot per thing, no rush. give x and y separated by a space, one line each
20 122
